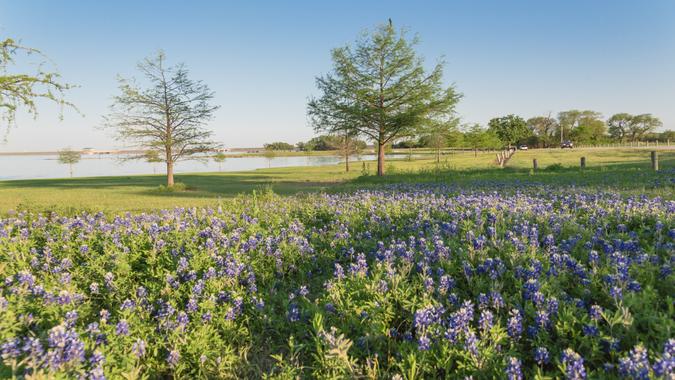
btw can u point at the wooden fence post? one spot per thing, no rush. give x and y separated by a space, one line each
534 164
655 161
582 162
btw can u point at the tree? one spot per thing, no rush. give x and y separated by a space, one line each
590 131
269 155
479 138
347 145
510 129
278 146
572 119
24 89
219 158
436 135
544 127
168 114
619 125
640 125
152 157
69 157
379 89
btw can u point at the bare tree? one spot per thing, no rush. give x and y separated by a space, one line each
167 115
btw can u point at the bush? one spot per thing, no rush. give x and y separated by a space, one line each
554 167
176 188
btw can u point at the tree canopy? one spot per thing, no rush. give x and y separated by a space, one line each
510 129
22 90
379 89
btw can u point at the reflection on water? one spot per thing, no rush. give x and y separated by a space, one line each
27 167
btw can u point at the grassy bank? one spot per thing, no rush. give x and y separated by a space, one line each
624 169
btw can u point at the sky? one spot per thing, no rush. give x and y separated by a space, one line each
261 58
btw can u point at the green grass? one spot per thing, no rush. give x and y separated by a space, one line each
627 170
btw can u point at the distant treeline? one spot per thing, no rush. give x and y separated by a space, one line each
584 127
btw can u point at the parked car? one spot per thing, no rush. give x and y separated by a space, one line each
523 147
567 144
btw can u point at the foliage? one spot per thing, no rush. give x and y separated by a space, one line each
24 89
510 129
590 123
477 137
69 157
379 89
407 281
153 156
278 146
219 157
619 125
167 115
329 142
641 125
176 188
544 128
438 134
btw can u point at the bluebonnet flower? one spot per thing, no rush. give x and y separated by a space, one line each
339 272
423 343
665 366
513 370
108 280
483 301
207 317
596 312
590 330
486 319
514 327
138 348
303 291
122 327
574 365
192 306
541 356
11 349
128 305
96 358
173 358
71 318
636 364
497 300
471 343
65 347
616 292
360 268
293 312
183 319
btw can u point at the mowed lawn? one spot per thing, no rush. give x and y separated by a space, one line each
622 169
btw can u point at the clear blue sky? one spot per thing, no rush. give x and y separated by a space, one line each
261 58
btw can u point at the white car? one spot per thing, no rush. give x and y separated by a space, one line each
523 147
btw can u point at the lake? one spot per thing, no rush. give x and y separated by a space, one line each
46 166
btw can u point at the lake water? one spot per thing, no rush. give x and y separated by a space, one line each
45 166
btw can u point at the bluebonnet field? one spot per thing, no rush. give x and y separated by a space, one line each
400 282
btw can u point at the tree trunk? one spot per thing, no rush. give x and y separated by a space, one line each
347 160
380 159
438 155
169 173
71 170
